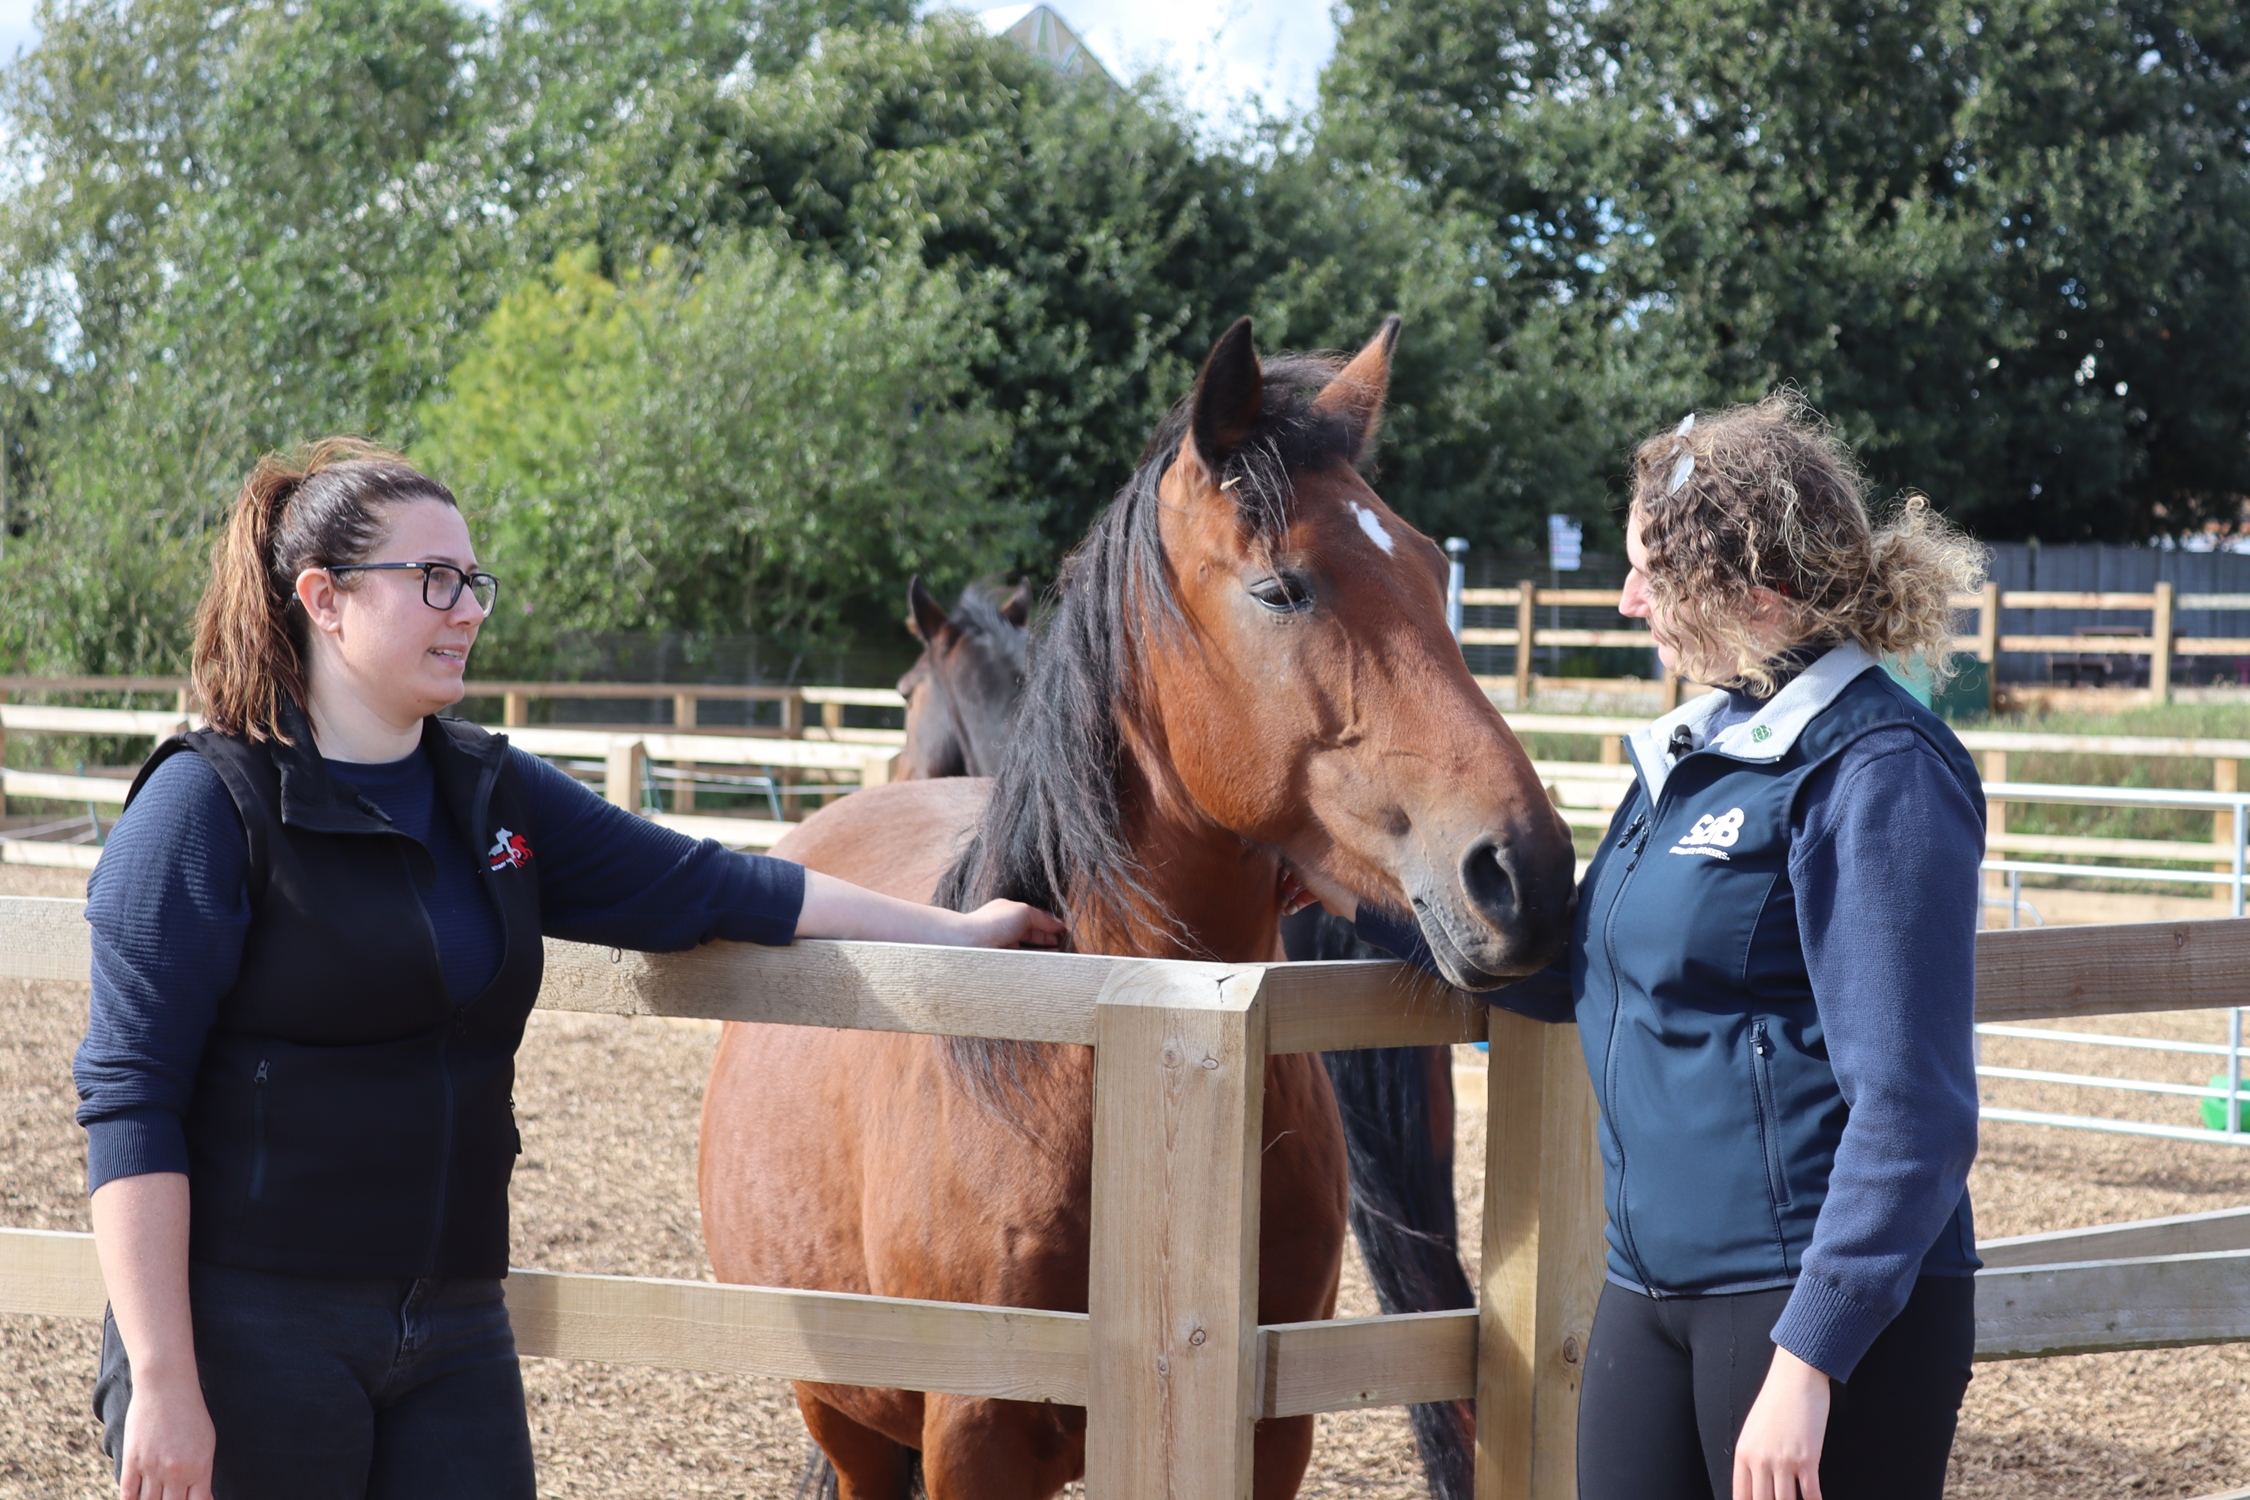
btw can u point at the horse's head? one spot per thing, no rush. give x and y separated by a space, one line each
1315 701
961 695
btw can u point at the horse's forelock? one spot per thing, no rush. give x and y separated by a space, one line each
1052 832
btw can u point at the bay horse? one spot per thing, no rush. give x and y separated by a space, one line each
1247 673
961 699
961 693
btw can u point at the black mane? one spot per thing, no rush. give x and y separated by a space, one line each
1052 834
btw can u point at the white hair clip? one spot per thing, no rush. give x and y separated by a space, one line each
1230 484
1685 468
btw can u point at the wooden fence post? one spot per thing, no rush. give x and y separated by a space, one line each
1543 1256
621 778
2226 776
1527 603
1996 816
792 727
1988 644
1179 1098
683 722
2160 657
515 710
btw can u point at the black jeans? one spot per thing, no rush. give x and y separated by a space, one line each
348 1389
1669 1382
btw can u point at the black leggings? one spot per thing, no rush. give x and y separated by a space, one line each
1669 1382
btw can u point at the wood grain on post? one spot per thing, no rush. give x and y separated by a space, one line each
2226 776
1172 1391
2160 648
621 776
683 784
1542 1260
1527 601
1988 643
1995 813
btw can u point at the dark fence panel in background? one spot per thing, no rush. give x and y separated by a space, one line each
2094 567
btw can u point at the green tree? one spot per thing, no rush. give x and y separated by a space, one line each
1928 213
765 444
1115 246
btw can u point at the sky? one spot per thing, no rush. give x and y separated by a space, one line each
1219 51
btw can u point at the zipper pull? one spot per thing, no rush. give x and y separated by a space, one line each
1760 1043
261 1078
1630 829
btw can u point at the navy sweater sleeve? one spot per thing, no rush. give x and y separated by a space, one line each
169 906
1885 864
607 876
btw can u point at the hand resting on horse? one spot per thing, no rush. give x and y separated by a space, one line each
838 909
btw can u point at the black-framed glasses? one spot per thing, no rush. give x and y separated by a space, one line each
441 582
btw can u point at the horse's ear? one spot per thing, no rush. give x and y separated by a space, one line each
1230 394
1356 394
1016 608
925 616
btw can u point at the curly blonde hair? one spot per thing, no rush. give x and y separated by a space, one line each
1774 500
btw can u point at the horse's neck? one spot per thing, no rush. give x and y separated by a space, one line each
1221 894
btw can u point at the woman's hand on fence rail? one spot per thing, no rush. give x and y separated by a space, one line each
838 909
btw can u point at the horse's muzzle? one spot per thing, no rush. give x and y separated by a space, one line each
1508 911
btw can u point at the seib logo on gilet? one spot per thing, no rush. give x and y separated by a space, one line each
1712 835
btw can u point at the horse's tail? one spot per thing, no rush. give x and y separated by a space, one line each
1397 1106
1394 1100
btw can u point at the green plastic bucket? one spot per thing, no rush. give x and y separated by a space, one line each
2215 1110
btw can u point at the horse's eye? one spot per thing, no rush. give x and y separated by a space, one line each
1281 593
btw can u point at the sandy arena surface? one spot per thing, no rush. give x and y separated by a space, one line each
607 1183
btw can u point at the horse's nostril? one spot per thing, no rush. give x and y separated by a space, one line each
1486 881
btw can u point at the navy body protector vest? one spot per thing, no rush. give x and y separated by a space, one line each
1720 1112
349 1118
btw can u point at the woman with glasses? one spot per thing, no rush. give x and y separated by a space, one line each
317 938
1772 975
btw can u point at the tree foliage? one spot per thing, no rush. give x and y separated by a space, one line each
2005 244
749 447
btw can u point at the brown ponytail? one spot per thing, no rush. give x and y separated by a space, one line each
319 508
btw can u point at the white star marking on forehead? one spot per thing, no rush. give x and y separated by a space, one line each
1374 528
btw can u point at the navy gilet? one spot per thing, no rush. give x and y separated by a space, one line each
1720 1112
348 1117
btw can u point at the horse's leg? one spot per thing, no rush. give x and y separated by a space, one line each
974 1449
869 1466
1281 1448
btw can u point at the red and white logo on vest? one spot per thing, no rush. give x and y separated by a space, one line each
509 851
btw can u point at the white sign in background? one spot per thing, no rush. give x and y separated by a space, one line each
1565 539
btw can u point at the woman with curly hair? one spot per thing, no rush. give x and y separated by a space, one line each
1772 974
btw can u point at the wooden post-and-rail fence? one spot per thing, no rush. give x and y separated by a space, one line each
1170 1360
2161 645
